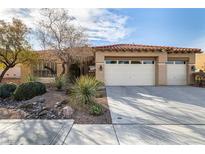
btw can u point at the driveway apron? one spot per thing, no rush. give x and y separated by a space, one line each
156 105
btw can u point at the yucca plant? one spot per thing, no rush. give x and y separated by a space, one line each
85 89
31 78
59 82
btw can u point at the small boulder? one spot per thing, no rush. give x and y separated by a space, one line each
67 111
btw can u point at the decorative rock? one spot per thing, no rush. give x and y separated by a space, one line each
43 112
26 106
60 104
11 114
64 102
57 104
45 108
41 100
35 108
67 111
35 103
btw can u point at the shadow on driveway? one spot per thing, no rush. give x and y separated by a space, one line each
157 105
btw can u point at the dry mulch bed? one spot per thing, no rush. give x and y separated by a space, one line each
48 103
83 116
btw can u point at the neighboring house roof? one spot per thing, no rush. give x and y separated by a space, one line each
81 54
48 55
138 47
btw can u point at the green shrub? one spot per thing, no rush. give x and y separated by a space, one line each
59 82
7 89
96 109
31 78
29 90
85 89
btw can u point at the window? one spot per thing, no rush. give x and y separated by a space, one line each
136 62
45 69
123 62
148 61
111 62
180 62
175 62
170 62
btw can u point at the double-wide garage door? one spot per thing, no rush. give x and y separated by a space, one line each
142 72
129 73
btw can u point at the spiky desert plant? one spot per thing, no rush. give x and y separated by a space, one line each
31 78
85 89
59 82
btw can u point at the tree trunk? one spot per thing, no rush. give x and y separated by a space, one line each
63 69
67 72
3 73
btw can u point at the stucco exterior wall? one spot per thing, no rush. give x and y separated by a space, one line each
160 58
161 69
200 61
25 71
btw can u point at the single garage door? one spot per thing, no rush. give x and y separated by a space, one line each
176 73
129 72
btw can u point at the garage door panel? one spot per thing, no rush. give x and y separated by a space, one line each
129 74
176 74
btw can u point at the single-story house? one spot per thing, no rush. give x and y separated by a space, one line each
131 64
124 64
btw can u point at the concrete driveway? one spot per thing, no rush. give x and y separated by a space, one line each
157 105
158 115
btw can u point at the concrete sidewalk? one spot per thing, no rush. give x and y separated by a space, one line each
46 132
34 132
92 134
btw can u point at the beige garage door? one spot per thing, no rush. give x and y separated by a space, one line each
129 72
176 73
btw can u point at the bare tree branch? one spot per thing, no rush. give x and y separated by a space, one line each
68 41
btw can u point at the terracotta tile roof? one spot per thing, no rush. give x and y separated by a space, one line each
139 47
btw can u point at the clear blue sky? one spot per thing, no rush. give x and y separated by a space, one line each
174 27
